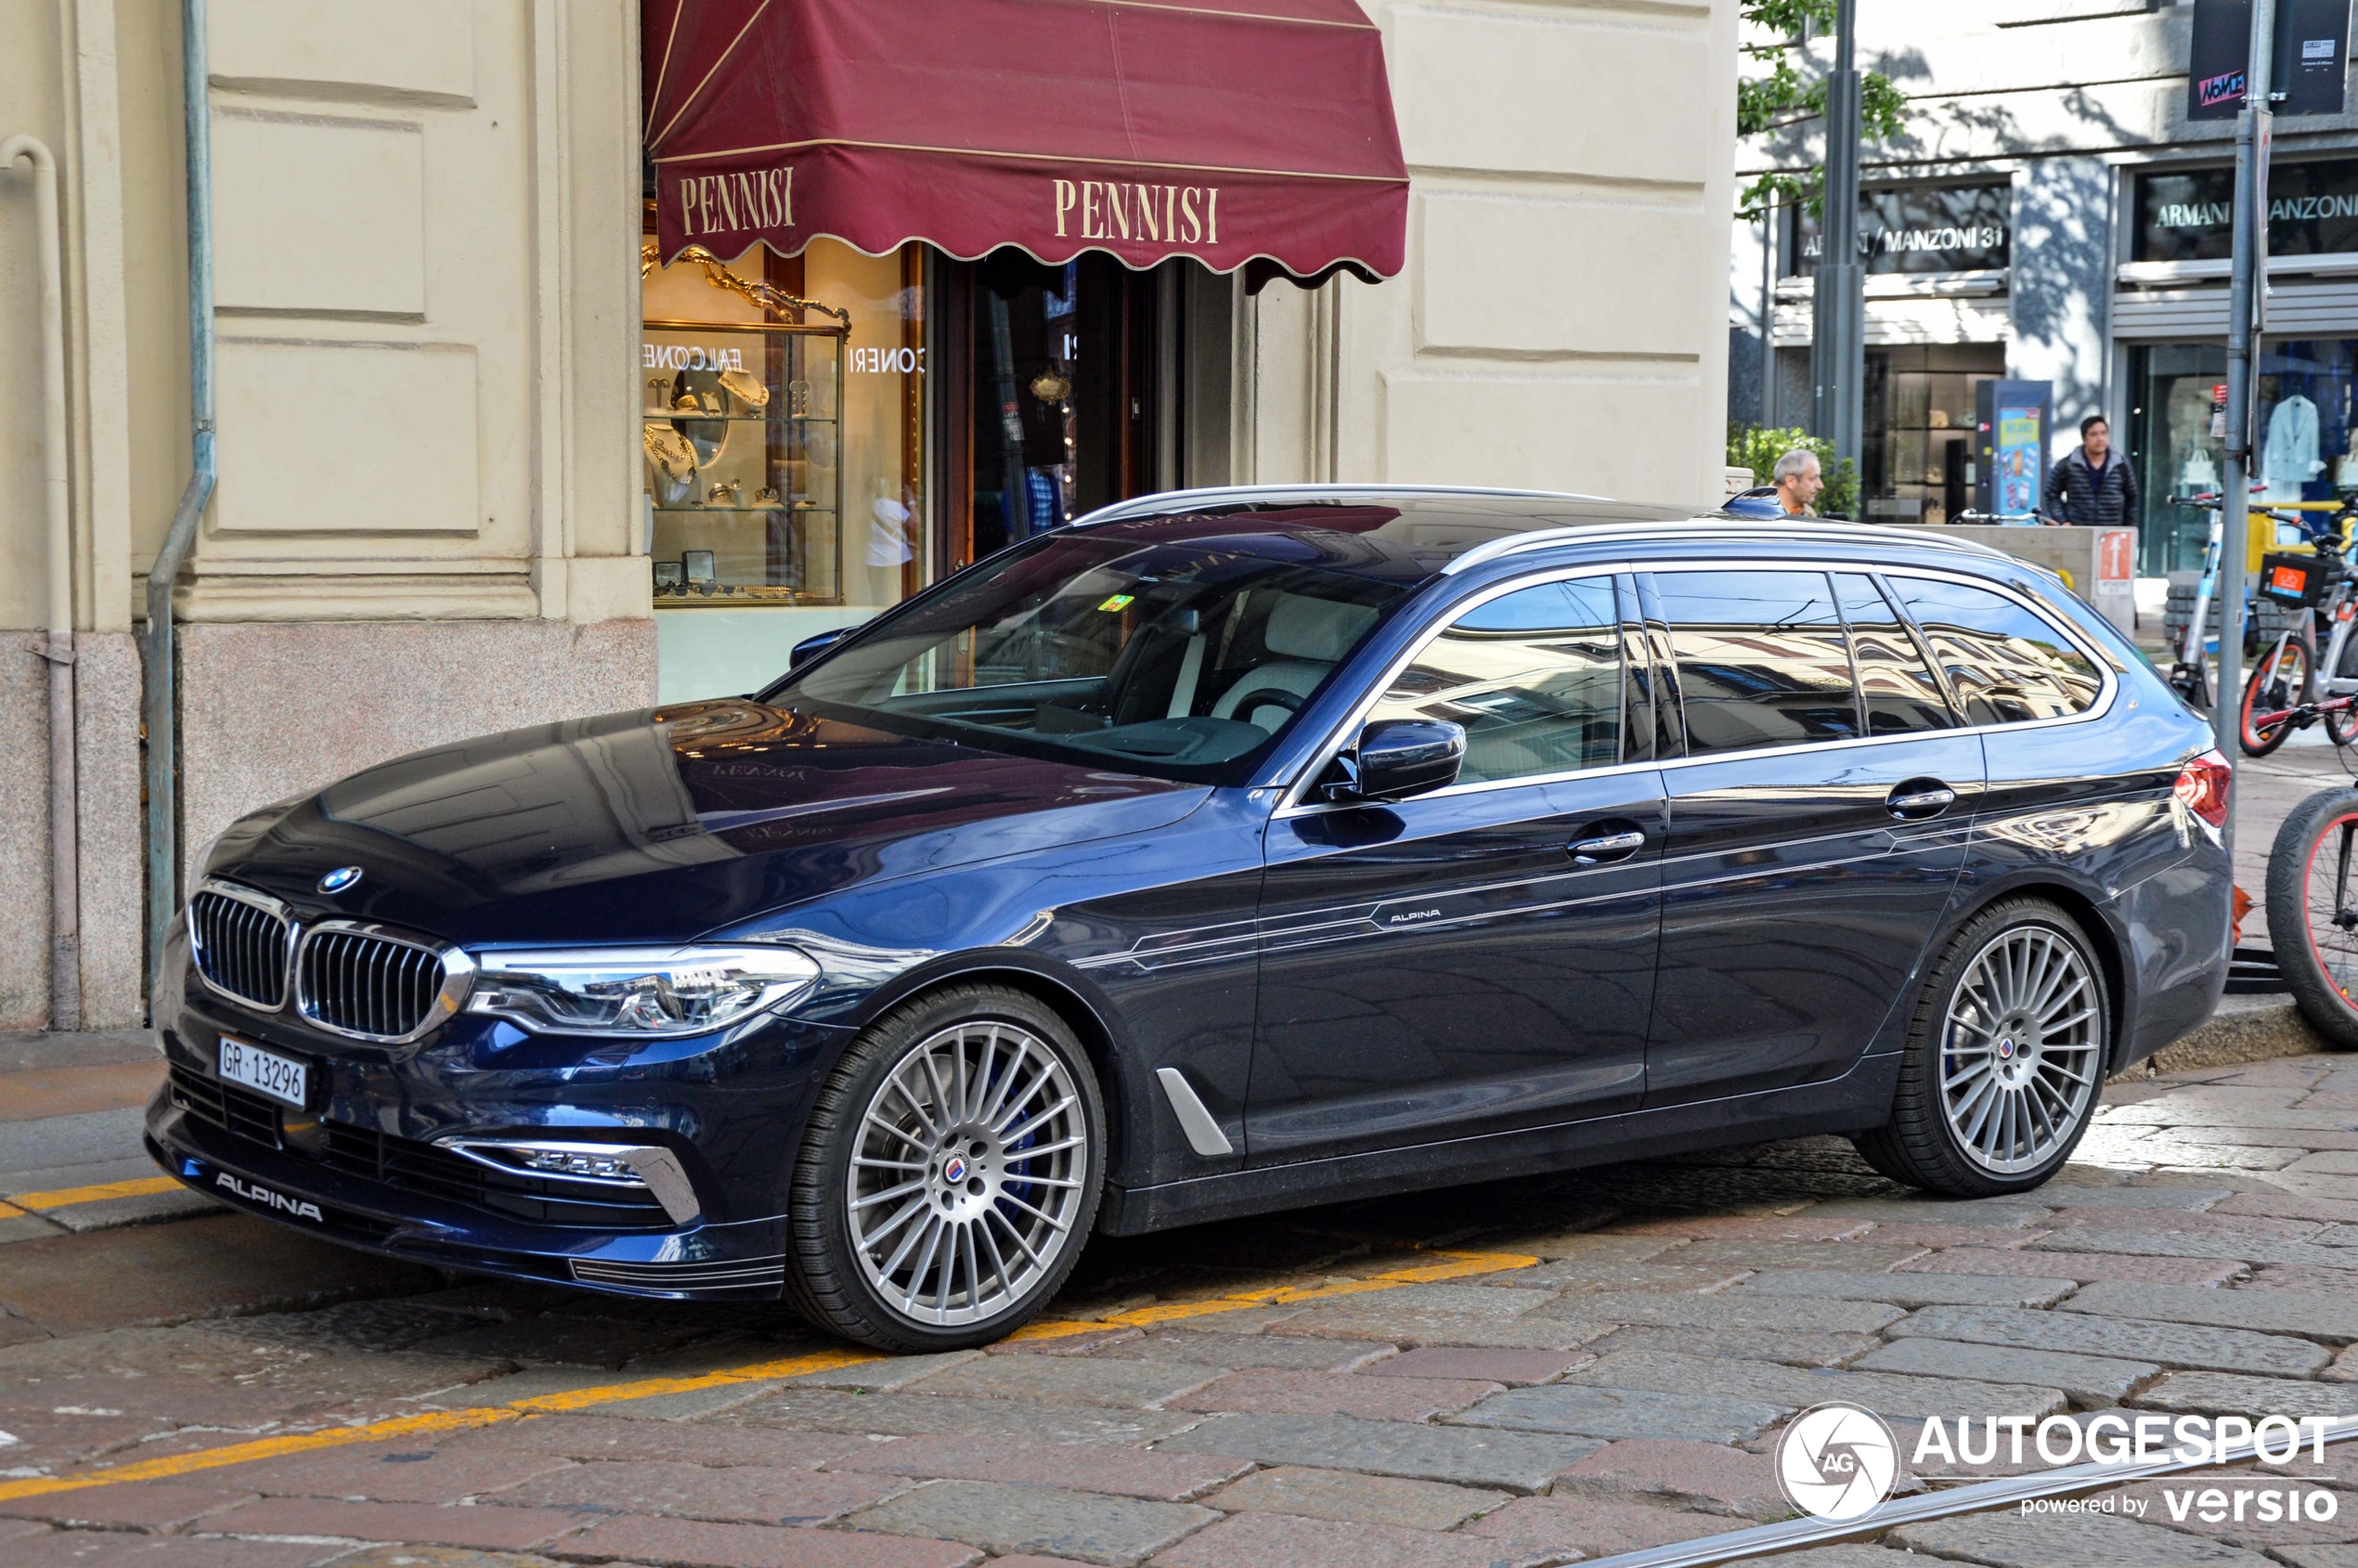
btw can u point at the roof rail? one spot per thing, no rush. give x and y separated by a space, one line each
1171 500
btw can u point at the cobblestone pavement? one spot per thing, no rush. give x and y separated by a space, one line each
1524 1373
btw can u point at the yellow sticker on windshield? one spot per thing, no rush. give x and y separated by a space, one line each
1119 602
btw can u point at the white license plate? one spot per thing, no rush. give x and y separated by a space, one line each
282 1077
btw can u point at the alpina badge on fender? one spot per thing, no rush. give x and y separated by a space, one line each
338 879
254 1193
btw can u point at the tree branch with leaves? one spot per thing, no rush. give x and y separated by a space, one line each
1782 98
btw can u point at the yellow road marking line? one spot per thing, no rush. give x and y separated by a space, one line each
66 1197
1457 1266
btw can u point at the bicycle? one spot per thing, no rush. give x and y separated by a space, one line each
2190 677
2287 691
2312 911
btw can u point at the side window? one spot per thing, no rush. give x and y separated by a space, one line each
1535 676
1762 660
2005 665
1898 689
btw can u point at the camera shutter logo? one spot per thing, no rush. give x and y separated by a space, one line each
1837 1461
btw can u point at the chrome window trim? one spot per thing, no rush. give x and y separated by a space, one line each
458 979
262 901
1703 525
1291 804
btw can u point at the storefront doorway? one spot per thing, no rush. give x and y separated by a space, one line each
1055 393
1916 457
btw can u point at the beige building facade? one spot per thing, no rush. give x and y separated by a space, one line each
436 512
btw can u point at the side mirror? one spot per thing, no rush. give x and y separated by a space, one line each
811 647
1398 757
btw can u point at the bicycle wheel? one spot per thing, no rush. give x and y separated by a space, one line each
2341 724
2313 911
2279 680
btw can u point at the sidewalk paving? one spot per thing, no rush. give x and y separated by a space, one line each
1608 1367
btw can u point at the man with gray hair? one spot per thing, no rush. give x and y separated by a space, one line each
1798 480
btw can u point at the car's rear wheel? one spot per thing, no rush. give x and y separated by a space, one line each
2004 1058
949 1174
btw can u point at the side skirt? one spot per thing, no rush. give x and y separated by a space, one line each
1858 1100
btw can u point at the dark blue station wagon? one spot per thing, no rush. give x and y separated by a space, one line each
1218 853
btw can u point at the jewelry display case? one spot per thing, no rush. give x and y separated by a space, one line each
743 450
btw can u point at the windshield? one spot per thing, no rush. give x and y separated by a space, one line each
1178 660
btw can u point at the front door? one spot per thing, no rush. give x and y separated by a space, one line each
1482 958
1816 831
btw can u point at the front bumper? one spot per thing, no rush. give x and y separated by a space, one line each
362 1165
720 1261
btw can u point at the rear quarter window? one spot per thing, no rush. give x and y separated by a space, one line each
2004 664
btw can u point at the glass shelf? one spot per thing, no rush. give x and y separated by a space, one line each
652 415
742 511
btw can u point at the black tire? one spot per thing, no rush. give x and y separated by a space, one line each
2317 958
1919 1145
2280 680
829 1277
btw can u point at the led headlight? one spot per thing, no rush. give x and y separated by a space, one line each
641 992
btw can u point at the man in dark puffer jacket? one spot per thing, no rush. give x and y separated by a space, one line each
2094 485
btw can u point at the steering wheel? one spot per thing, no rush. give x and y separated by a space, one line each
1269 696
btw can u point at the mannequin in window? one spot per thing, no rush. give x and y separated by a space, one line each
2290 460
887 541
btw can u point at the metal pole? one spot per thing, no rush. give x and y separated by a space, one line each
1839 328
159 702
1768 320
2249 235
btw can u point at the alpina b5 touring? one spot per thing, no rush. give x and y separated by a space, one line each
1221 852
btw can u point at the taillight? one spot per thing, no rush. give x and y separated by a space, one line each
2202 785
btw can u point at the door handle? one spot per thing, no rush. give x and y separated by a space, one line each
1921 798
1612 847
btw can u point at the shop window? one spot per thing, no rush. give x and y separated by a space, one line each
1915 452
2302 436
784 442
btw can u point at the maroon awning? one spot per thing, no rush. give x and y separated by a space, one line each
1237 131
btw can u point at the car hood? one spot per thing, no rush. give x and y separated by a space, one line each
666 823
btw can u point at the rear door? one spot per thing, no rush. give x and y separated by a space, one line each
1481 958
1818 825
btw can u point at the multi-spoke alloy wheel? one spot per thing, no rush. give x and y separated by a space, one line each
949 1173
2004 1056
2021 1055
966 1172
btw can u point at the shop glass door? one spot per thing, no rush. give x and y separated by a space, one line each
1059 388
1916 456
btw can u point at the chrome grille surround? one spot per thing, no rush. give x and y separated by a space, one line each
378 983
241 943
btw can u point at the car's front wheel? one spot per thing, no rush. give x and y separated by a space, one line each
2005 1057
949 1174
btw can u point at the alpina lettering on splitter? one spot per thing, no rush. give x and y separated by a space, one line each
268 1199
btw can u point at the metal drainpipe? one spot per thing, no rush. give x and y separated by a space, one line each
65 860
159 698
